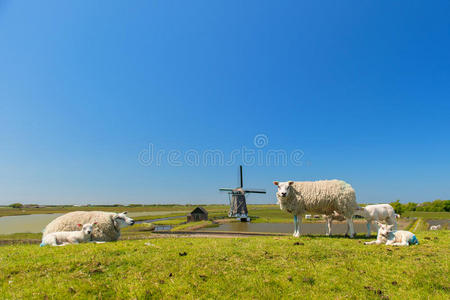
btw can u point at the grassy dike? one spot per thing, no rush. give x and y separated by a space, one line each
256 267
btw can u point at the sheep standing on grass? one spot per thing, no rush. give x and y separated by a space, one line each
333 217
386 235
377 212
107 229
62 238
321 197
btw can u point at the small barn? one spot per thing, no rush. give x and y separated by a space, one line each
198 214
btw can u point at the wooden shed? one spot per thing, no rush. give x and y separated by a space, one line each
198 214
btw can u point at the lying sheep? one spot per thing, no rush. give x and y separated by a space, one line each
377 212
62 238
391 237
320 197
107 229
435 227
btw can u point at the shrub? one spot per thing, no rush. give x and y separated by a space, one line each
16 205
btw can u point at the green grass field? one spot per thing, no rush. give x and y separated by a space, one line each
426 214
257 267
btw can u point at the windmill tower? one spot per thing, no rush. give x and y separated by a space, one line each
238 204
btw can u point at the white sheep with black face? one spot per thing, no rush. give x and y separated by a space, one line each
326 197
107 229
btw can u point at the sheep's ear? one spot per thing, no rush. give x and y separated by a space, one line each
276 182
95 223
379 223
291 182
79 225
125 212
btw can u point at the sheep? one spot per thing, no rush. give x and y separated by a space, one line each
62 238
330 218
435 227
321 197
377 212
107 229
391 237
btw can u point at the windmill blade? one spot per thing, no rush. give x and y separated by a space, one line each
226 189
256 191
242 180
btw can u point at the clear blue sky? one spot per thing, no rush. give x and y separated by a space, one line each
362 88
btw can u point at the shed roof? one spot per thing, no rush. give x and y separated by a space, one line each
199 210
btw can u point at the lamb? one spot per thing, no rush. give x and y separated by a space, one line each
330 218
377 212
321 197
107 229
62 238
435 227
391 237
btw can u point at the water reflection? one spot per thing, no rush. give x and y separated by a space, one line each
27 223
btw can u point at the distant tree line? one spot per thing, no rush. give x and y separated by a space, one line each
435 206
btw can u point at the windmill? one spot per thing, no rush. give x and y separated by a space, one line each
238 205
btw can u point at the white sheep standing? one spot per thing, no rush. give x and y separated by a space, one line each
320 197
391 237
333 217
377 212
62 238
107 229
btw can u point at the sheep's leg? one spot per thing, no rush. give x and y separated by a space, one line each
400 244
393 243
299 225
377 242
52 241
329 221
350 225
295 226
368 228
347 229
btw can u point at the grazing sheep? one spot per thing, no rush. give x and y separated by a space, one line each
321 197
107 229
62 238
334 217
377 212
391 237
435 227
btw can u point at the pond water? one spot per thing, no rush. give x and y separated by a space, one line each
154 213
162 227
27 223
307 228
159 219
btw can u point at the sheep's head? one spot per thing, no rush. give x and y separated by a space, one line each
284 189
87 228
360 211
122 220
384 229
